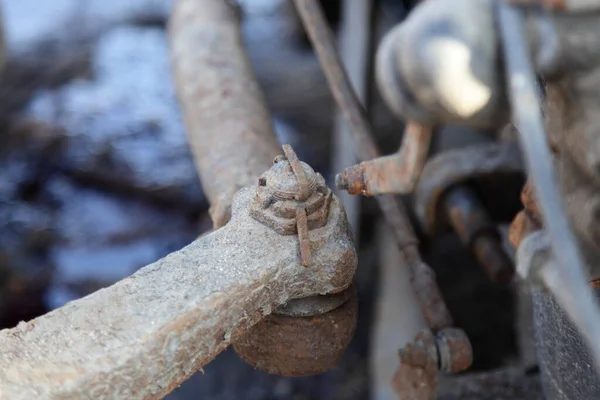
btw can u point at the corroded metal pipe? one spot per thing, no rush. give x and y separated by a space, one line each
393 174
143 336
227 122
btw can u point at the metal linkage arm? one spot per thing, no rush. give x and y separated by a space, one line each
143 336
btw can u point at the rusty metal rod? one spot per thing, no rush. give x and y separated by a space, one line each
394 174
227 122
143 336
365 147
422 276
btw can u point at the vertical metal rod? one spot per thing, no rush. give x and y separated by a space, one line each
364 144
574 292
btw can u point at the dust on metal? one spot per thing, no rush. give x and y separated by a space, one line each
292 199
226 119
173 316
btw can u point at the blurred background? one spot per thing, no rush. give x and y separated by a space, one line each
96 178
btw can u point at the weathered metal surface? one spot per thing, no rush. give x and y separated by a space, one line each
292 198
454 350
457 166
395 174
227 122
422 77
416 379
274 203
477 231
514 383
526 221
536 263
435 311
314 305
300 346
420 360
567 367
341 88
422 277
173 316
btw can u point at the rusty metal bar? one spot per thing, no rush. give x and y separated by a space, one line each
394 174
143 336
227 122
365 147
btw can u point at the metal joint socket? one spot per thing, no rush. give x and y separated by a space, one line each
448 351
306 335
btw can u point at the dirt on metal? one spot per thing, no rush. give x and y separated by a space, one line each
173 316
227 122
300 346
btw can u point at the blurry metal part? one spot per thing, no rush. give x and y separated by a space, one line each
394 174
536 264
477 231
364 145
300 346
555 5
456 166
314 305
454 350
567 276
173 316
567 368
506 383
420 360
561 5
354 38
431 301
398 317
416 379
227 122
526 221
444 76
422 276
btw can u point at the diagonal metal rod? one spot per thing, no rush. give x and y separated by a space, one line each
574 293
364 144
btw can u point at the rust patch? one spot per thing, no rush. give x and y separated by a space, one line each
395 174
299 346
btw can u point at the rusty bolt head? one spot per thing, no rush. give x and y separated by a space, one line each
299 346
275 203
352 180
454 349
421 352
